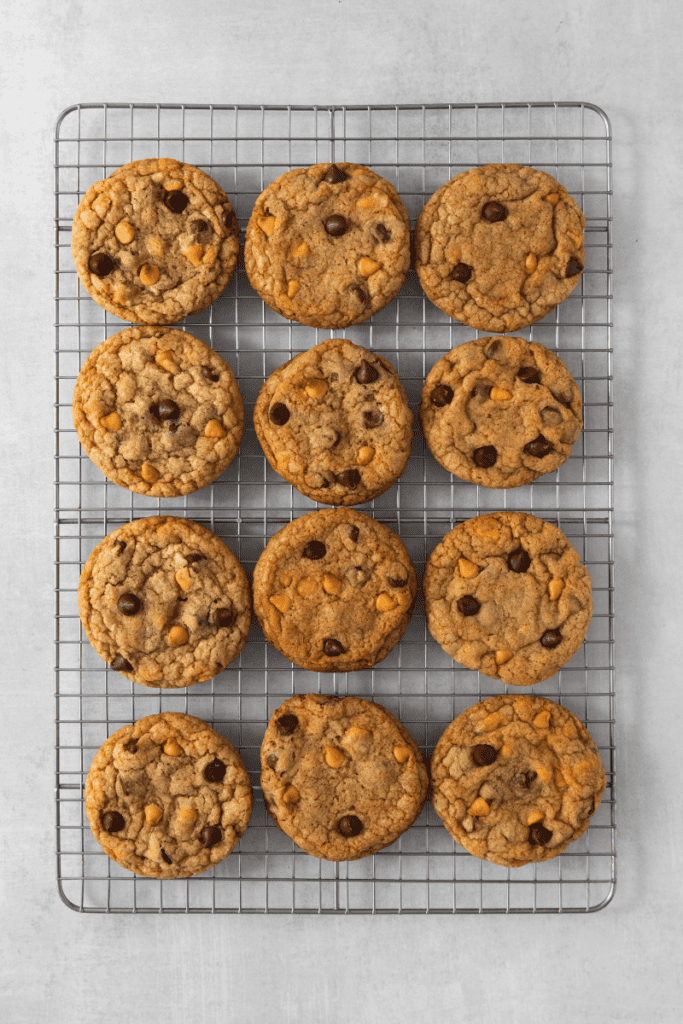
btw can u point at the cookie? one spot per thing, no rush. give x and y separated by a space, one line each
165 602
335 423
328 245
506 594
155 241
498 247
516 779
341 777
334 590
167 797
500 411
158 411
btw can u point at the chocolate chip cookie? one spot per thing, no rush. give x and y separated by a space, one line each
328 245
500 411
165 602
168 797
516 779
498 247
334 590
158 411
341 777
155 241
507 594
335 423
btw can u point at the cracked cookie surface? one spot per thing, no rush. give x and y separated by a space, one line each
158 411
499 246
507 594
335 423
328 245
342 777
168 797
156 241
334 590
500 411
165 602
516 779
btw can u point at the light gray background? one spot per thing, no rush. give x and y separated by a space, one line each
622 964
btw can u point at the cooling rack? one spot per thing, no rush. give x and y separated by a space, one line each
418 148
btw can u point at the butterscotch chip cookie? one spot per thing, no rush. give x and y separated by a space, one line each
168 797
507 594
158 411
516 779
499 246
342 777
335 423
328 245
165 602
334 590
500 411
155 241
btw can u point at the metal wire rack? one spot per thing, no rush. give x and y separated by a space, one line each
418 148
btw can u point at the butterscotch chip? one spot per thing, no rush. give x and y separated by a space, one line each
335 422
351 802
155 224
170 405
509 397
152 815
340 232
347 584
502 621
477 238
149 625
520 805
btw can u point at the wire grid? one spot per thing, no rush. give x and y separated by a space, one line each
417 148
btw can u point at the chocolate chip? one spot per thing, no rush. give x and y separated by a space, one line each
359 293
393 582
524 779
332 648
210 835
349 478
131 747
353 533
350 825
175 201
551 638
271 761
315 549
335 175
171 428
191 559
461 272
442 395
562 399
574 267
381 232
482 389
519 561
539 447
225 617
112 821
336 225
494 211
372 418
366 374
286 724
209 375
279 414
168 409
100 264
215 770
483 754
551 416
539 834
119 664
486 456
199 226
230 220
468 605
166 857
129 604
529 374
